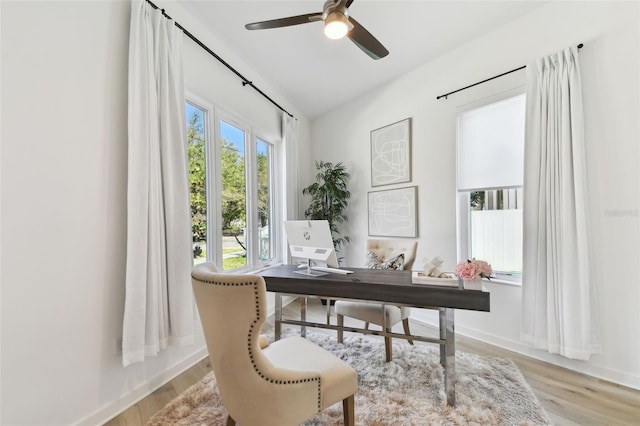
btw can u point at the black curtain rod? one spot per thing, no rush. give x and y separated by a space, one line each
245 81
488 79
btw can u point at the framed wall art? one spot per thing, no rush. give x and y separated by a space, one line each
391 153
392 212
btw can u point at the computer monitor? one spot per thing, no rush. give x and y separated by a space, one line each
311 240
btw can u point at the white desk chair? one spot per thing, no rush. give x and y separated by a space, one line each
278 384
381 254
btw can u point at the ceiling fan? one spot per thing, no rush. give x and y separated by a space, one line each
337 24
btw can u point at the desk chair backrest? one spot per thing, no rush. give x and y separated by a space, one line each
232 310
388 248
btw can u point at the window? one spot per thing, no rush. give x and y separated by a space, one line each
234 195
197 157
265 184
490 160
232 180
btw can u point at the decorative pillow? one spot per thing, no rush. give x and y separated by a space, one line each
374 262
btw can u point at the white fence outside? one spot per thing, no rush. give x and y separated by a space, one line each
496 236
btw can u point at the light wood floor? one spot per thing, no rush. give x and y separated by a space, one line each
570 398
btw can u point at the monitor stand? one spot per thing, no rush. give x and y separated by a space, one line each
308 271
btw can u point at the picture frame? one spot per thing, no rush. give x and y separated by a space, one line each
393 212
391 154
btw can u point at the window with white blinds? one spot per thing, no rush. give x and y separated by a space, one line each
490 150
489 170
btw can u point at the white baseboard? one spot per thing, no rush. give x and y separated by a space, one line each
112 409
131 398
608 374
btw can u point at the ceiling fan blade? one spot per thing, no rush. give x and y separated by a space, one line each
365 41
348 3
285 22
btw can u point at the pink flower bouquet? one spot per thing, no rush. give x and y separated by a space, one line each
473 269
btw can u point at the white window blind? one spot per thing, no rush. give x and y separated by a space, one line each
490 150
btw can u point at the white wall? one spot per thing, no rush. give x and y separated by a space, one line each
63 185
610 71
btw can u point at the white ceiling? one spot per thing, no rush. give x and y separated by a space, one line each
317 74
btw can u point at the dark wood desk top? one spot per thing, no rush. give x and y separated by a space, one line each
374 285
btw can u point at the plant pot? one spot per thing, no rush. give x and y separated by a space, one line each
473 284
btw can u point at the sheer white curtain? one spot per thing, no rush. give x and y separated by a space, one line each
558 301
159 304
292 189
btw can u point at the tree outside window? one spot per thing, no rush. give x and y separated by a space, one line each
197 180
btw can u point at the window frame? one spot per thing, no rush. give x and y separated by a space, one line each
251 134
222 115
213 114
274 178
207 109
463 198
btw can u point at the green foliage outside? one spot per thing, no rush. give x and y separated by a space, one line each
233 189
197 183
233 262
263 191
477 200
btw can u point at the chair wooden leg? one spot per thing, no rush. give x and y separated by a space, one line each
387 346
230 421
348 409
405 325
340 319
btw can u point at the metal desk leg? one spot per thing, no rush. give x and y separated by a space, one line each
448 353
303 316
328 311
278 324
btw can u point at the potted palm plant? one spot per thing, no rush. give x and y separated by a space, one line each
329 199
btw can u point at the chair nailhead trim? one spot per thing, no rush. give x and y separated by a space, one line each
252 332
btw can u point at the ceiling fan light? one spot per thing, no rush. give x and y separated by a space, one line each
337 25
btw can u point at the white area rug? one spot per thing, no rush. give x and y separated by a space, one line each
407 391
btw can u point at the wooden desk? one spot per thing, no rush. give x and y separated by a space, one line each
386 287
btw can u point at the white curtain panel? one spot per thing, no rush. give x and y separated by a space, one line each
558 299
292 188
159 303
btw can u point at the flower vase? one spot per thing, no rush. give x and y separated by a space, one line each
475 284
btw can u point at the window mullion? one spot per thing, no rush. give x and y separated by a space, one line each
215 188
252 199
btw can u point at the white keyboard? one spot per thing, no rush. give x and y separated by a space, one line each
331 270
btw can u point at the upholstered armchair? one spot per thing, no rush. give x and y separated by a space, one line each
262 384
381 254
